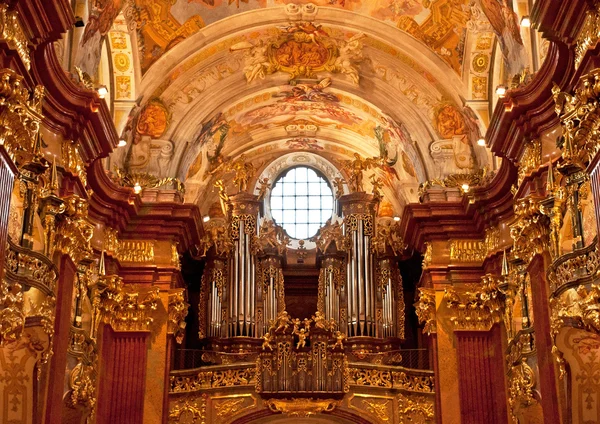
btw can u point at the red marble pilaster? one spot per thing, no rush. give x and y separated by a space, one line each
7 179
482 390
122 377
67 272
543 340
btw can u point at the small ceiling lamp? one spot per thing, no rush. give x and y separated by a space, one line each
206 218
481 142
501 90
137 188
102 91
122 142
396 218
525 21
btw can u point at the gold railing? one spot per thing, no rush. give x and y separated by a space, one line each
391 377
30 268
212 376
574 266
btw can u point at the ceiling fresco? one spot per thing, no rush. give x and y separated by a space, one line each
216 80
438 24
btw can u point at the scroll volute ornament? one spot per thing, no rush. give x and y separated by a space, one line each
425 309
580 118
530 231
178 310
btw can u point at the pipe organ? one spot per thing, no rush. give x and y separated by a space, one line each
359 210
359 286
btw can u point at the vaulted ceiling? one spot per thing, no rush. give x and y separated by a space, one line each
195 83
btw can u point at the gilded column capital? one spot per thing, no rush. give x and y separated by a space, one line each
477 308
178 310
425 310
531 229
121 307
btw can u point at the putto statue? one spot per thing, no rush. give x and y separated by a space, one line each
354 168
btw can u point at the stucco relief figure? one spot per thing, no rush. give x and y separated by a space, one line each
350 56
257 64
505 23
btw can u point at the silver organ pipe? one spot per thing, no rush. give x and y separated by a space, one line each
359 215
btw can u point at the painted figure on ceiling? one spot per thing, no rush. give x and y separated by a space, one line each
505 23
101 17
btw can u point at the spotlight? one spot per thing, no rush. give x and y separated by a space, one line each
102 91
206 218
525 21
396 218
122 142
137 188
481 142
465 187
501 90
79 22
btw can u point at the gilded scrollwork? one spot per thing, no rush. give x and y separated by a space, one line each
415 408
531 159
12 33
178 310
20 116
74 231
301 407
189 408
12 316
329 234
578 114
425 310
588 36
520 391
467 250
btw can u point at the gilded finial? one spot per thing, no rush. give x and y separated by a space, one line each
550 180
504 265
54 176
101 265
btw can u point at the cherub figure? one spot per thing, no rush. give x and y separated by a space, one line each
338 183
267 341
377 185
264 187
302 336
223 197
320 321
282 322
339 339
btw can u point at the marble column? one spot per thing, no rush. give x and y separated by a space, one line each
481 376
123 377
543 340
62 325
